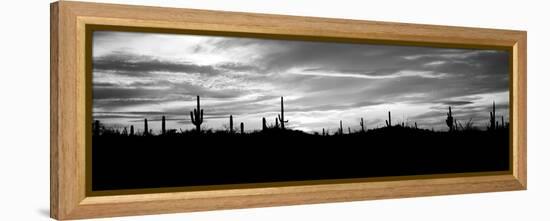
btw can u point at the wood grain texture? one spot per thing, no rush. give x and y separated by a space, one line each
521 103
68 107
54 97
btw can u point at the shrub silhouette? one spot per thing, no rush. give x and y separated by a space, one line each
96 128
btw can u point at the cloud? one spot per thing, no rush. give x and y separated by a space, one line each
369 75
127 63
456 103
239 67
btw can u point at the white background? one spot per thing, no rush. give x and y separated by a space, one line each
24 110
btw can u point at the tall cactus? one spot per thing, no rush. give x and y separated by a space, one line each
264 124
349 130
231 124
131 130
362 123
145 127
282 115
163 125
323 131
276 122
492 119
242 128
388 121
415 125
341 131
197 116
449 120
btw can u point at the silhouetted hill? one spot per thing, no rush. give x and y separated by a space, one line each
211 158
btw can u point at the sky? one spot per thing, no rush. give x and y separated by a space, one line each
148 75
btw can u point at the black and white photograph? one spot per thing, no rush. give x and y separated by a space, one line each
191 110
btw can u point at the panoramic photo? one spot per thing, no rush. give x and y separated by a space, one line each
176 110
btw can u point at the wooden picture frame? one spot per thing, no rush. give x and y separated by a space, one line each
70 90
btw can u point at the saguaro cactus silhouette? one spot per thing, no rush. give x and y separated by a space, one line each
349 130
415 125
163 125
264 124
323 132
492 119
242 128
388 121
282 115
131 130
145 127
197 116
362 125
230 123
340 130
449 120
276 122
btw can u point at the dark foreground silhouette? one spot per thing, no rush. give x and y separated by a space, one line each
213 158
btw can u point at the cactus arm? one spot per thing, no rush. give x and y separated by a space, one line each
202 114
